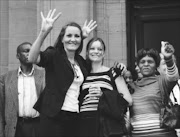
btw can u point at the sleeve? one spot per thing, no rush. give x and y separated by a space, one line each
46 57
166 85
172 70
1 107
169 80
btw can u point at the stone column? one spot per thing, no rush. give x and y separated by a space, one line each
111 17
4 34
22 26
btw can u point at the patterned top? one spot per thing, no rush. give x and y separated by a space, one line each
90 100
145 112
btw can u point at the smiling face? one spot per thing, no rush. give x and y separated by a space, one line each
147 66
72 39
96 52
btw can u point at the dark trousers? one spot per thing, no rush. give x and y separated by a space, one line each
27 127
88 124
65 124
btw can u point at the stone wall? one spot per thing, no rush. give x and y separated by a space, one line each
20 21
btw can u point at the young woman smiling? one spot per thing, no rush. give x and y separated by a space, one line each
99 80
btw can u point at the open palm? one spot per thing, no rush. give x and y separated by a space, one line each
47 22
87 28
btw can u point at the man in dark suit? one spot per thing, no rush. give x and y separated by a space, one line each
19 90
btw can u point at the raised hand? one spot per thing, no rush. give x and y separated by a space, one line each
167 50
47 22
87 28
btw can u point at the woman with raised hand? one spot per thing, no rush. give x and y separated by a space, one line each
147 99
65 71
100 83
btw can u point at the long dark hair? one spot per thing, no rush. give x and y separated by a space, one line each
59 45
91 41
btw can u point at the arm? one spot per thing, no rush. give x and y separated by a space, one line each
122 88
46 27
117 72
167 51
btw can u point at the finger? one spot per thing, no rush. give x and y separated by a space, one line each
163 43
92 89
85 23
52 13
123 66
42 16
93 27
118 65
92 24
113 73
89 23
95 92
166 43
122 69
57 16
49 14
171 47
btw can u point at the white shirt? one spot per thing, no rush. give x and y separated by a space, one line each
27 94
71 102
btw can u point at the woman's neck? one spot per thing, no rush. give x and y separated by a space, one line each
71 56
97 67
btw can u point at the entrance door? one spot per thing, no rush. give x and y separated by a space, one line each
151 21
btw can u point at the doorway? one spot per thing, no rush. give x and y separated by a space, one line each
149 22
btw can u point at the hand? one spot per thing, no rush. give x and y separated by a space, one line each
88 28
167 50
47 22
94 91
118 69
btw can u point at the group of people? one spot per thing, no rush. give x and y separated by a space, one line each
74 97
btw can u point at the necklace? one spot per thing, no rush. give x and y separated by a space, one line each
75 70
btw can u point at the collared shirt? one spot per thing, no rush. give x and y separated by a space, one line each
27 94
71 102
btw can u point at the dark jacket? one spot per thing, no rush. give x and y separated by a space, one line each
112 108
9 104
59 77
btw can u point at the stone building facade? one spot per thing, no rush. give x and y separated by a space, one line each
20 21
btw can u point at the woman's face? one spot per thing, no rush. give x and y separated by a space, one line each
147 66
96 52
72 38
